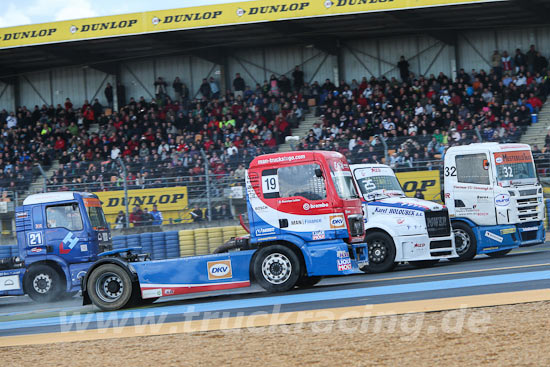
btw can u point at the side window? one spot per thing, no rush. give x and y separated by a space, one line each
472 168
64 216
301 181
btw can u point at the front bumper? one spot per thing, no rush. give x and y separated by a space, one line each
422 247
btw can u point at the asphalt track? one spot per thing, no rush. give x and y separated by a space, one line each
522 276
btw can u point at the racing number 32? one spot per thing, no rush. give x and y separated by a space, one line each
450 171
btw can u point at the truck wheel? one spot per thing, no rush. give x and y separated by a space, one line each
307 282
109 287
466 243
43 284
422 264
381 253
497 254
276 268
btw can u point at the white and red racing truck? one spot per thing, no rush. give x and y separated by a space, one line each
398 228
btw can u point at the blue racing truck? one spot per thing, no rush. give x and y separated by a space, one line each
59 235
305 220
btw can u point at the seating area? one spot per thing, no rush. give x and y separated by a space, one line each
160 140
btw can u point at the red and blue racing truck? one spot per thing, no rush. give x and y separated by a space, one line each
59 235
305 221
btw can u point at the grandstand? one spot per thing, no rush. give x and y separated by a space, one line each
211 112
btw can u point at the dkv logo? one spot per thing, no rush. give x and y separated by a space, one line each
219 269
337 221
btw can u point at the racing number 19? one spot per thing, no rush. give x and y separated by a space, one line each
270 184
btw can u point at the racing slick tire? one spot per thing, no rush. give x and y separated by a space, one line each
381 253
498 254
276 268
44 284
465 240
110 287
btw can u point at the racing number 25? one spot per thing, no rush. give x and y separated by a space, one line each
450 171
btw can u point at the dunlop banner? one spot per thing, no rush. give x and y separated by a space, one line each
171 201
429 182
201 16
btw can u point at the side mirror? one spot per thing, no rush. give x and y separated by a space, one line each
75 206
318 173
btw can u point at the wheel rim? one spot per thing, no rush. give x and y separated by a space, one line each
42 283
276 268
462 241
378 252
109 287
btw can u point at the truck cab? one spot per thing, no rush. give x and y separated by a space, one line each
307 200
58 236
494 198
399 228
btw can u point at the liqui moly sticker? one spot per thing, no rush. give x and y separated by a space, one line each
493 236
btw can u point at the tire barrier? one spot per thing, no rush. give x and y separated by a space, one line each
173 244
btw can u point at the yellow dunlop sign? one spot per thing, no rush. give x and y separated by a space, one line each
426 181
171 201
201 16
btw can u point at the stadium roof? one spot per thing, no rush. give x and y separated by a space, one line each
323 32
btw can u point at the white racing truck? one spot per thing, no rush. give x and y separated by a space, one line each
494 198
399 228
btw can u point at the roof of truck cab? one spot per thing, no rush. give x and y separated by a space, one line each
493 147
50 197
305 155
369 165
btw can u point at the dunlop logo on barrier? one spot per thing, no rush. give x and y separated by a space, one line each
166 199
270 9
41 33
104 26
428 182
190 17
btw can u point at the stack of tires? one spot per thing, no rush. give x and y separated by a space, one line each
215 238
133 240
172 244
146 242
201 241
119 242
240 231
187 242
228 233
5 251
159 246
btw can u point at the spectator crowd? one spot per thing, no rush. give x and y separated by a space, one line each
162 140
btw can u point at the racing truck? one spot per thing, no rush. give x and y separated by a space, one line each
399 228
59 235
305 222
494 198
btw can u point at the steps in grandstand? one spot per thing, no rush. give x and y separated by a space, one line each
300 132
37 184
536 133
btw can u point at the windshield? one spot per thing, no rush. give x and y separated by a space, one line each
383 184
344 185
95 213
97 218
514 166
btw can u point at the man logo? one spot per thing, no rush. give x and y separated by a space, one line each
337 222
219 270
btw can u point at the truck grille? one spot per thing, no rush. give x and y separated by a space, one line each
356 226
530 192
437 223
